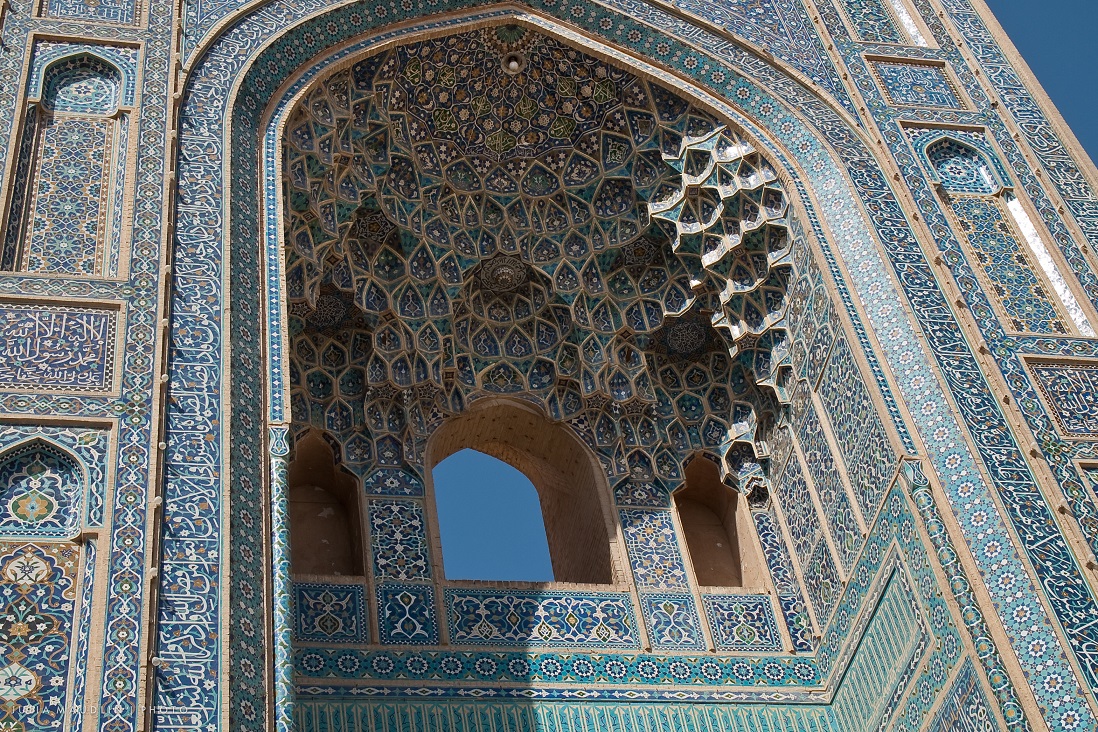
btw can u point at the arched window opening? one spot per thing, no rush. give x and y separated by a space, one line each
716 524
489 520
325 525
567 479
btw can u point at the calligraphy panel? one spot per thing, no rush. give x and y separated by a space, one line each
57 348
1069 389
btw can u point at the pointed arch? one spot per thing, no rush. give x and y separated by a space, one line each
42 490
505 540
961 167
325 512
570 484
66 212
83 82
717 527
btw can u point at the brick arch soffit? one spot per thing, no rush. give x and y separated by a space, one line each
338 233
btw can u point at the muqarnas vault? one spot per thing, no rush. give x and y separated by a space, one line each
786 307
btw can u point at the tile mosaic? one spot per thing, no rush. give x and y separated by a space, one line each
518 670
916 84
964 708
42 492
38 595
839 518
121 60
742 623
873 21
1015 285
890 649
540 619
398 540
407 614
960 168
502 716
111 689
330 613
790 595
1069 388
85 448
863 442
672 621
653 547
123 12
70 196
57 347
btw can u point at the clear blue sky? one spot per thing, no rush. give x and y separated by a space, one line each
1057 40
490 520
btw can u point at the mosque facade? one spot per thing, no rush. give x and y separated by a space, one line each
786 308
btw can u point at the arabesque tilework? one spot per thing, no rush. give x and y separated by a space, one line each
407 614
38 599
43 492
874 20
742 623
916 84
540 619
672 243
326 612
673 622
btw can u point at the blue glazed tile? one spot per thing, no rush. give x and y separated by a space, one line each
1070 389
742 623
653 548
330 613
672 621
398 539
37 344
914 84
540 619
407 614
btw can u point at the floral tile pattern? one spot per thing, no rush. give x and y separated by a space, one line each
407 614
540 619
398 533
672 621
330 613
742 623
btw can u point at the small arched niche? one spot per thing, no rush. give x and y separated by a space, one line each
567 478
70 174
962 168
325 521
717 527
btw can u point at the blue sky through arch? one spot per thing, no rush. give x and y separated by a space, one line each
490 520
